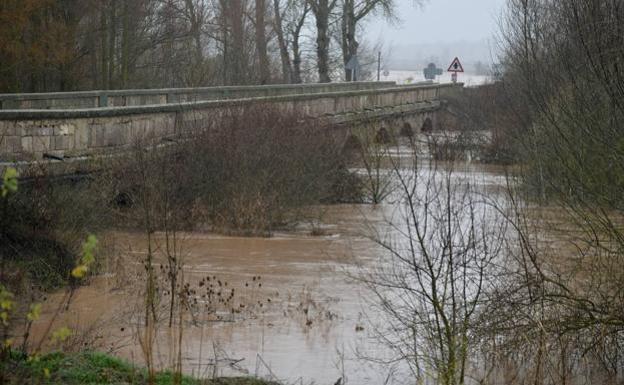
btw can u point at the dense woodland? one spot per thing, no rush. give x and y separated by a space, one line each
62 45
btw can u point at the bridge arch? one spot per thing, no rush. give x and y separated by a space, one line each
383 136
427 125
407 130
352 143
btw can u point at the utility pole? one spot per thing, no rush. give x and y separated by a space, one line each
378 64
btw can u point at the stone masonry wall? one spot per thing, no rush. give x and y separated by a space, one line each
29 134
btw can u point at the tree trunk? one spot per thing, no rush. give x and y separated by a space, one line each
261 42
238 41
296 35
296 62
321 11
197 63
112 35
287 75
349 43
234 36
125 45
223 24
104 49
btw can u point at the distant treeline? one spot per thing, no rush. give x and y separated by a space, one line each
61 45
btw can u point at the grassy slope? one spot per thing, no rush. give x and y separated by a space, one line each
95 368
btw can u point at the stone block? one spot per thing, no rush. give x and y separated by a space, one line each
113 135
64 129
137 129
63 142
126 131
38 130
12 129
27 143
98 136
169 125
81 135
10 144
41 143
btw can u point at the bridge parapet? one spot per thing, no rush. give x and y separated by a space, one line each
122 98
29 134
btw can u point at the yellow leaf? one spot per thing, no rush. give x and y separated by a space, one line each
88 257
34 312
6 304
61 334
79 271
9 181
6 299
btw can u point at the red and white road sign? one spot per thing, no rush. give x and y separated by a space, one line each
455 66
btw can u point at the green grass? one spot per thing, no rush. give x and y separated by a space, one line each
94 368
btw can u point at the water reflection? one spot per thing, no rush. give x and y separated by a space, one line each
306 323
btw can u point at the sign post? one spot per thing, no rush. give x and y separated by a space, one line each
455 67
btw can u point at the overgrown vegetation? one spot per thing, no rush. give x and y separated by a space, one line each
486 120
440 255
553 315
95 368
42 227
540 303
245 173
25 307
249 172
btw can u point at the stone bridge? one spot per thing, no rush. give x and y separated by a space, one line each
76 124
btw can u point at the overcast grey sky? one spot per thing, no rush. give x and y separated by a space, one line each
438 21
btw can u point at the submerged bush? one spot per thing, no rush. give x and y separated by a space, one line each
245 172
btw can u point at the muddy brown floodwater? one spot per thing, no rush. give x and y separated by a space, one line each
295 314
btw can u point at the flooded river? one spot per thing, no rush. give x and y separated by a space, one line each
292 313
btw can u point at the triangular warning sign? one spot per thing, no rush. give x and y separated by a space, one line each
455 66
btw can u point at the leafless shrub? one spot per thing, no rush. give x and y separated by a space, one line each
372 146
558 315
434 277
252 168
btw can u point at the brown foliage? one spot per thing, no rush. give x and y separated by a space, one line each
36 44
246 172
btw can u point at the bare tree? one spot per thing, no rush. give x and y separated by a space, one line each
557 317
278 11
296 26
322 10
261 41
353 12
232 31
434 276
290 18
